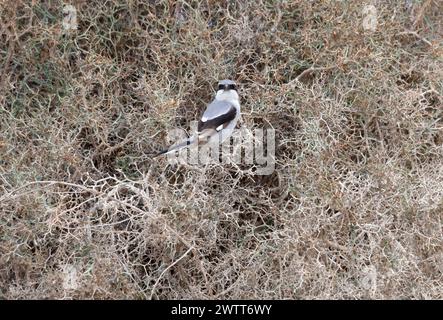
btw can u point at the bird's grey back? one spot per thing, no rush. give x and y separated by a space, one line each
216 108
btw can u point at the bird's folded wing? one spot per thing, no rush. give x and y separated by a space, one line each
217 116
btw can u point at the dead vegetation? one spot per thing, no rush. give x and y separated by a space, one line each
353 210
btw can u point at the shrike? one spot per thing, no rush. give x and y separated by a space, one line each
218 121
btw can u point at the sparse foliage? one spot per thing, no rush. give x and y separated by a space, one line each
354 208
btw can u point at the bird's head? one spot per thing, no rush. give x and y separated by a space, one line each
227 90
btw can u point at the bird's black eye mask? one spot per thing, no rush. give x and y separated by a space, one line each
227 87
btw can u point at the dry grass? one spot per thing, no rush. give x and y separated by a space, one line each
353 210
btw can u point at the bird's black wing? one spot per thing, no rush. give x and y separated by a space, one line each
213 118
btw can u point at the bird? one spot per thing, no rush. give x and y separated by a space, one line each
217 122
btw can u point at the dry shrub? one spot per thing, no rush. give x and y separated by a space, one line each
353 209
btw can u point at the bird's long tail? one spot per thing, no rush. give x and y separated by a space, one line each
177 147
